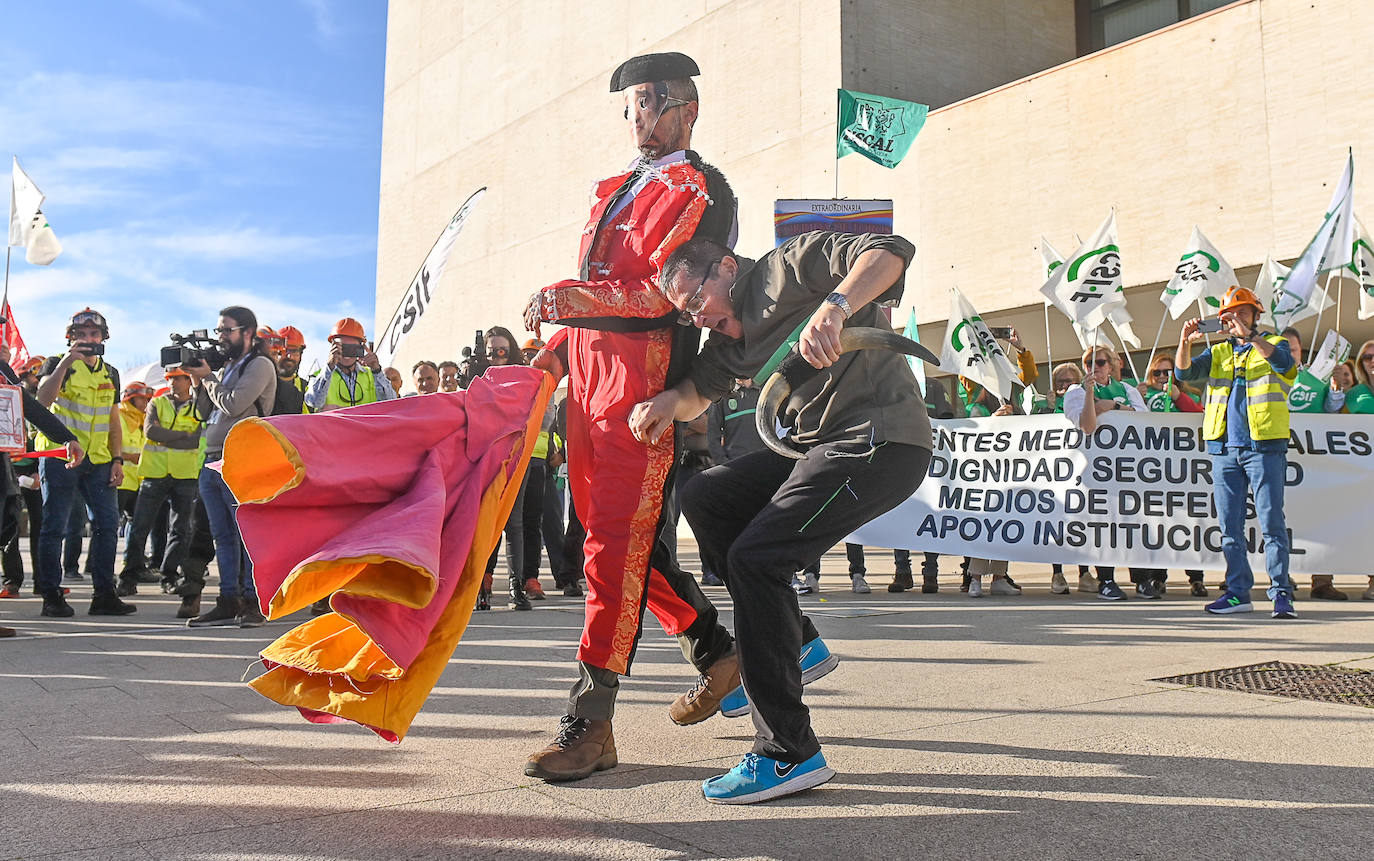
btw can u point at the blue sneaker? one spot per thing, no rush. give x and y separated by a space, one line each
816 661
1283 607
1229 603
759 778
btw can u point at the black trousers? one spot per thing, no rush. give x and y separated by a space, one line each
761 517
514 533
153 495
199 554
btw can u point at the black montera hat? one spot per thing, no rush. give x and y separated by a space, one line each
653 67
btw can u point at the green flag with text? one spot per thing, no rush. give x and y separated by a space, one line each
876 127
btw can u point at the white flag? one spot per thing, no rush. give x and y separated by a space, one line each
42 246
1271 287
1088 288
25 198
971 351
1363 267
1052 260
418 296
1202 273
1333 350
1329 249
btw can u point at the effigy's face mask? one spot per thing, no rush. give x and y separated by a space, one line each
645 105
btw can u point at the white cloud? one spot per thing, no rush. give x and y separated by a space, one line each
326 28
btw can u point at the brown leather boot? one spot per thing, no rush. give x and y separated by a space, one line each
712 686
582 747
1322 590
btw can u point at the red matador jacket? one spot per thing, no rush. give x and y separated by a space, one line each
622 346
399 534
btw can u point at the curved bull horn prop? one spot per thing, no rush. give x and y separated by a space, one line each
794 370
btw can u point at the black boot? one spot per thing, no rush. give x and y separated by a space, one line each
901 581
518 601
56 605
108 604
225 612
930 574
127 586
190 607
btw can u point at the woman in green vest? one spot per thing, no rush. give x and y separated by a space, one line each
1163 393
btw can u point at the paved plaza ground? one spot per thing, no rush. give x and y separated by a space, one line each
995 728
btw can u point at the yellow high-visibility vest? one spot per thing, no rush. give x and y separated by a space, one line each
160 461
132 420
83 405
1266 393
364 393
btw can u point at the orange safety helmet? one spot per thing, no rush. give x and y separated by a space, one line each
274 341
1237 297
533 344
176 372
136 389
33 365
348 327
292 336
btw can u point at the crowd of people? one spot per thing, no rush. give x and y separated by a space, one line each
656 266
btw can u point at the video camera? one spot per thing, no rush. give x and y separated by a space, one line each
475 361
189 349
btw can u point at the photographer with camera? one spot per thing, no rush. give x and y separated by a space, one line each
245 386
354 373
83 392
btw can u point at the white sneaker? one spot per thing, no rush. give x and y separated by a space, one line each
975 588
1087 583
860 586
1002 587
1058 585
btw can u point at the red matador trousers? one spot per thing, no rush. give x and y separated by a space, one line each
617 484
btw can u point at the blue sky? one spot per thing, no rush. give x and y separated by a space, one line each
196 154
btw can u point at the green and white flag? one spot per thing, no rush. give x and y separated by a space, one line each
1329 249
1089 288
971 351
1202 273
1051 260
1362 264
1271 289
876 127
918 367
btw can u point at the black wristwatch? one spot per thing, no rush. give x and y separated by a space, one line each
118 460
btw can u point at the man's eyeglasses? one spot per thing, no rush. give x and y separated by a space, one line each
224 330
658 101
696 303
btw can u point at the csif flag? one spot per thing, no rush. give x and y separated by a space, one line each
25 199
1271 285
876 127
1202 273
420 294
1051 260
1362 264
971 351
1329 249
1089 287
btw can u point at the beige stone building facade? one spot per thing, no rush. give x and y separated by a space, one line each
1045 115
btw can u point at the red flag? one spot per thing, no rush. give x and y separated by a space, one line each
10 337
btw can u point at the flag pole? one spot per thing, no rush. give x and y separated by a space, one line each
1125 352
1326 294
7 277
1049 353
1202 313
1163 315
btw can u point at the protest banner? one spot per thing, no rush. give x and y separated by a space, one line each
1136 492
419 295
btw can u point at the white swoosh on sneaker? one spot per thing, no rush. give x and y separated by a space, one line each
802 659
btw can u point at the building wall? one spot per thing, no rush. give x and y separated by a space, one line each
937 52
1237 121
